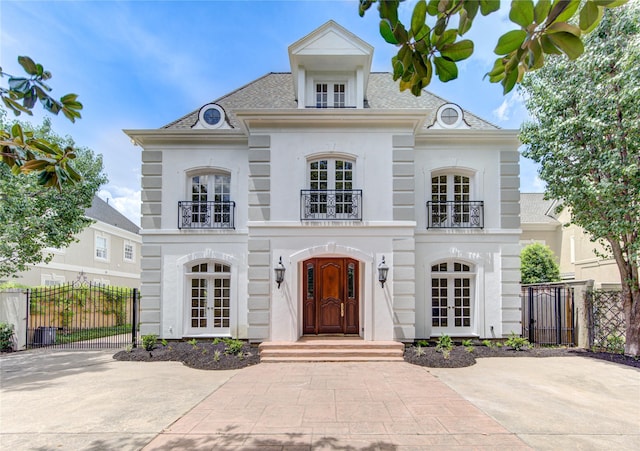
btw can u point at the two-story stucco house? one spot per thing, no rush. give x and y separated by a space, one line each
331 174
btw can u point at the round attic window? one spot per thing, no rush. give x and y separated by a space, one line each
211 116
449 116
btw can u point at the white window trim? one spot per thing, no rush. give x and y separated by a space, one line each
133 251
331 80
473 275
107 248
210 276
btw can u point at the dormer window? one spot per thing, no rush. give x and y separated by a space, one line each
337 99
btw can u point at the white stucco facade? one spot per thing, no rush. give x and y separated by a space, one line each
330 189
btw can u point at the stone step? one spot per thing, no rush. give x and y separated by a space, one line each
331 349
330 359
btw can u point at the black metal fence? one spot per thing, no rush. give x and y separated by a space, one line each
82 316
548 314
606 318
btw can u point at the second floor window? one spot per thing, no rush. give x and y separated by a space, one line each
330 95
211 204
451 204
101 248
331 194
128 252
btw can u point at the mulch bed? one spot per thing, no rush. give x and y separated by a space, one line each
203 355
461 357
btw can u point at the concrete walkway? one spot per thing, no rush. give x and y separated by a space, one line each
327 406
84 400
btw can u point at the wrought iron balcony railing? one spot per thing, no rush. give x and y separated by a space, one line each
455 214
320 205
206 215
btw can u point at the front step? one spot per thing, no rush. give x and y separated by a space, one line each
333 349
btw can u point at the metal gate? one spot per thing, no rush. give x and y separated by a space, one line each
548 314
82 316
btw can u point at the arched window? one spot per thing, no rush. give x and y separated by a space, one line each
452 296
209 298
331 194
451 204
210 205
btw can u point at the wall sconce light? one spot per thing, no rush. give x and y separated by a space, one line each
383 270
279 270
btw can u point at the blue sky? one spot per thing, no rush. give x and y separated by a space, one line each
143 64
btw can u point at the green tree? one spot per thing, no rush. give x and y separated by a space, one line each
585 133
538 264
544 28
23 152
32 217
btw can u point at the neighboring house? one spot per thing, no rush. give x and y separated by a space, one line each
333 172
107 252
541 222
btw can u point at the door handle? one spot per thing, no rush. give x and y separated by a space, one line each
342 309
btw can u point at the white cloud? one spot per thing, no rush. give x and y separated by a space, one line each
123 199
509 105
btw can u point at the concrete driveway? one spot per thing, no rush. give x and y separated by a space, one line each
556 402
84 400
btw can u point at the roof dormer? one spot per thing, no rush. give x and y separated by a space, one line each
330 64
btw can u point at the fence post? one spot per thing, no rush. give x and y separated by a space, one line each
531 315
134 319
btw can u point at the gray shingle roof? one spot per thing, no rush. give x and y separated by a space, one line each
275 91
534 209
102 211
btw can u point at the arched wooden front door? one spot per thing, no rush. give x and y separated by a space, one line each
330 304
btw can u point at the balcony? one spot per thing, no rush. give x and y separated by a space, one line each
455 214
206 215
322 205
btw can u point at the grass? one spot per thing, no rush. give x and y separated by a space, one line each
92 334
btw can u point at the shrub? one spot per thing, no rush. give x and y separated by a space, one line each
517 342
444 345
6 336
193 342
538 264
615 344
149 341
423 343
233 346
468 345
487 343
419 351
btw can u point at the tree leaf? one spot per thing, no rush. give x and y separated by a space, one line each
400 33
510 41
445 69
510 79
28 65
548 47
590 16
563 10
418 17
541 10
457 51
489 6
19 85
386 32
569 44
563 26
521 12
